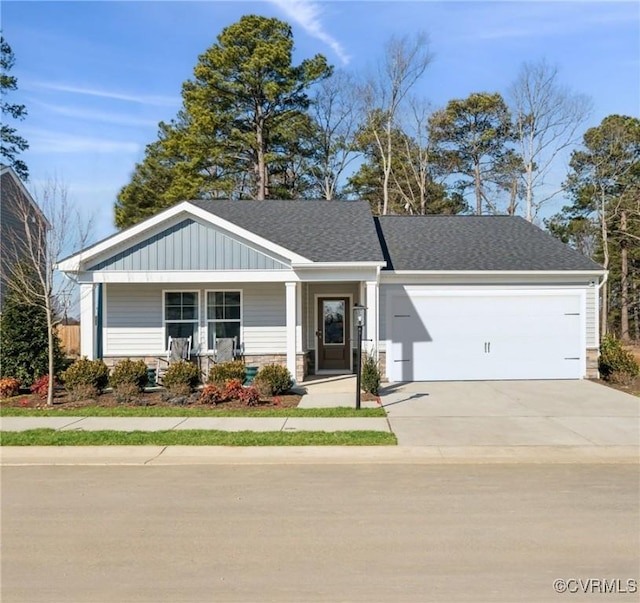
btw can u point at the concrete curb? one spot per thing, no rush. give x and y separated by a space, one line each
11 456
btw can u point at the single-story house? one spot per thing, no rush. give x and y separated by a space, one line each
447 297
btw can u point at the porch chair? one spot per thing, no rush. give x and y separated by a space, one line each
179 348
225 349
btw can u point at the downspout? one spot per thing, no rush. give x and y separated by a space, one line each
604 280
99 294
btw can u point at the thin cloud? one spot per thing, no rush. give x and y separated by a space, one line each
97 116
46 141
307 13
142 99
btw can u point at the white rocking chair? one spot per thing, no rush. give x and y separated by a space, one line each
179 348
225 349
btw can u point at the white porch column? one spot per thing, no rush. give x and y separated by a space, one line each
291 297
299 319
372 316
87 321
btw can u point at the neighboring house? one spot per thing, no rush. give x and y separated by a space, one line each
447 297
16 206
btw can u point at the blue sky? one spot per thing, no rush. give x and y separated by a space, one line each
97 77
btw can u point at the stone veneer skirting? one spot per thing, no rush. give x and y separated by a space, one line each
592 364
305 362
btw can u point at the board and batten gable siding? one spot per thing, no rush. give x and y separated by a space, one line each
591 320
134 324
190 245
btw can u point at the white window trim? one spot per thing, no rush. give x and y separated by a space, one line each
195 343
206 315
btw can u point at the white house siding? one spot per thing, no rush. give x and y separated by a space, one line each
133 320
592 318
319 289
134 326
264 318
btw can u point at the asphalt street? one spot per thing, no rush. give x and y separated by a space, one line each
326 532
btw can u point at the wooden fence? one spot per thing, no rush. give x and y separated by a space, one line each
70 339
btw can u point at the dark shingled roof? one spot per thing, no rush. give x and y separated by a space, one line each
474 243
322 231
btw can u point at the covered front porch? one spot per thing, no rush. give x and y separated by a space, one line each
306 325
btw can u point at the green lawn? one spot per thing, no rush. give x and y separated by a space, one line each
51 437
187 411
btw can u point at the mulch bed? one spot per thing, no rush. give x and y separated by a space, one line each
632 387
148 399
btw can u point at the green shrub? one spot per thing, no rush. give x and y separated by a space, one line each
274 379
83 392
181 373
86 372
130 372
179 394
24 343
223 372
370 374
614 359
127 393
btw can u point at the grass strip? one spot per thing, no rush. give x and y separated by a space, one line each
185 411
195 437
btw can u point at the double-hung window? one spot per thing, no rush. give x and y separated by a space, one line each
224 311
180 315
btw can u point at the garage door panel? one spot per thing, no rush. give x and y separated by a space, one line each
485 336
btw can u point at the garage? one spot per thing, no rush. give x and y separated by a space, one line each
485 335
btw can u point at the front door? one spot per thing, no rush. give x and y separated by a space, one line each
333 334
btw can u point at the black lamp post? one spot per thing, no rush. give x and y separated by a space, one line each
359 317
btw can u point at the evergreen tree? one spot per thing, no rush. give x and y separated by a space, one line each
241 129
472 135
24 344
604 215
11 143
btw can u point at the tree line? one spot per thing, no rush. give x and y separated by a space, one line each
253 125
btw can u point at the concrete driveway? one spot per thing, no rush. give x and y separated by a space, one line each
511 414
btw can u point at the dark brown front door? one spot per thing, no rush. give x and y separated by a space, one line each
333 334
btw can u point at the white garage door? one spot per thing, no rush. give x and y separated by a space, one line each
507 335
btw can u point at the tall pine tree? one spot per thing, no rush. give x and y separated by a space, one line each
11 143
241 108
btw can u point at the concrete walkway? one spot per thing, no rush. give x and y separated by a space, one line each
473 422
181 423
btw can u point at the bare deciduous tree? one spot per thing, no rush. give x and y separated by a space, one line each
405 61
334 109
416 165
546 118
40 246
